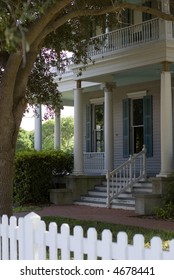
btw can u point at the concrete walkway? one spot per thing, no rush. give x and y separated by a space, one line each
115 216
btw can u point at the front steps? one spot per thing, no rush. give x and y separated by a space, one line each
97 196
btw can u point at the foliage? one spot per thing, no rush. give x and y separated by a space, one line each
33 174
42 88
67 132
24 141
167 210
48 135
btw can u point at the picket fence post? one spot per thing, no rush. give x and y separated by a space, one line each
31 224
30 240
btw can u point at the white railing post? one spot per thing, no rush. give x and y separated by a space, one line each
130 169
108 189
144 163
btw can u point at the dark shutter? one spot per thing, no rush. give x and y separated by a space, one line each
126 127
88 128
148 127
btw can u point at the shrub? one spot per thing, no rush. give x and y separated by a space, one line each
167 210
33 174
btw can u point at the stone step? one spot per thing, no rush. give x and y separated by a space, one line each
97 197
103 205
142 187
103 193
103 199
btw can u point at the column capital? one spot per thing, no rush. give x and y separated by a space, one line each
79 84
166 66
108 86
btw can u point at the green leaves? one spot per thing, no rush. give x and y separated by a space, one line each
42 88
33 174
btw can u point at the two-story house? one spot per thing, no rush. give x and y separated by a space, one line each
124 101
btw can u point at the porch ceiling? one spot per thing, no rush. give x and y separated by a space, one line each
121 78
133 76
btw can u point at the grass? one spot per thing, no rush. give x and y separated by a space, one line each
26 208
114 228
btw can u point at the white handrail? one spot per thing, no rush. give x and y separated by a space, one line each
124 37
126 175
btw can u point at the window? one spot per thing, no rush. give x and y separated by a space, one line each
95 128
98 128
137 125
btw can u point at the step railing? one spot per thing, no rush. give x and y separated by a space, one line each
126 175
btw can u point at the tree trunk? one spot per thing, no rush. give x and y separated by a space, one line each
12 107
9 128
6 182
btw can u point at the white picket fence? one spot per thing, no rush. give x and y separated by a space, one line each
28 239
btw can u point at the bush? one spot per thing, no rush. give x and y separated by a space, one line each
33 174
167 210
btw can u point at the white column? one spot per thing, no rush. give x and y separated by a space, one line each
108 127
166 30
78 130
38 129
57 130
165 6
166 124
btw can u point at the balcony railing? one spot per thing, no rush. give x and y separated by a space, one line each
93 162
124 37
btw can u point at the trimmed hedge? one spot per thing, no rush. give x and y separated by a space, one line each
33 174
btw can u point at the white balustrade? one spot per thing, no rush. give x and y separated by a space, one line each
93 162
124 37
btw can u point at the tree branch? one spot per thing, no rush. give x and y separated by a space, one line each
9 76
111 9
45 19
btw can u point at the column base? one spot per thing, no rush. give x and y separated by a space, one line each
163 175
77 172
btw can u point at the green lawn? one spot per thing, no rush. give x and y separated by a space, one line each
114 228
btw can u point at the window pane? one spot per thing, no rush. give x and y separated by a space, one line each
99 128
138 139
99 116
137 112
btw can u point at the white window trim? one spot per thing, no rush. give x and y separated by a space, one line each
138 94
97 100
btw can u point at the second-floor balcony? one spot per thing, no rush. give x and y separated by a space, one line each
148 31
155 36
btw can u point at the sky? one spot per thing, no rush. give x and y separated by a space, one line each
28 121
